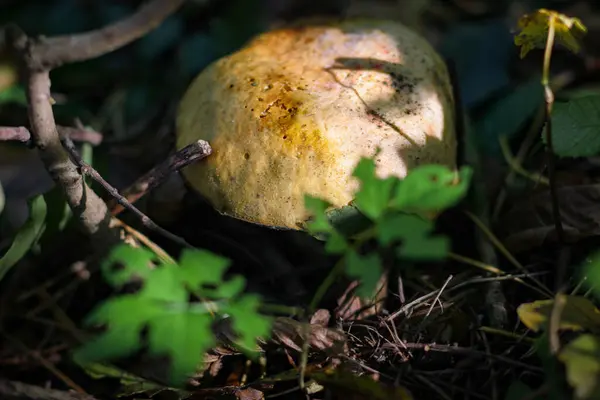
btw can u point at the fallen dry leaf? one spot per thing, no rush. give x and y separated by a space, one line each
578 313
249 394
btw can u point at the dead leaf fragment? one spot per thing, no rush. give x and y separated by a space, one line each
578 313
249 394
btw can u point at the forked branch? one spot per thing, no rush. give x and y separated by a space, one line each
40 55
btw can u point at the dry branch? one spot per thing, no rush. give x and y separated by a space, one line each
88 170
38 56
21 134
88 208
157 175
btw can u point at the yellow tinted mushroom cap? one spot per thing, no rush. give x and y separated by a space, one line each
293 112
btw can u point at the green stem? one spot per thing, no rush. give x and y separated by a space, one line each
558 304
549 98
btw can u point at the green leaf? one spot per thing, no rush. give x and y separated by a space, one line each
176 328
184 337
423 248
203 272
319 222
582 361
576 127
13 94
402 227
126 316
375 193
126 262
336 244
202 267
164 285
431 188
366 269
27 235
248 323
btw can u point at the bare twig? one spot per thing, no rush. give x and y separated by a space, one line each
157 175
503 250
37 57
86 169
14 134
405 308
82 135
492 270
22 134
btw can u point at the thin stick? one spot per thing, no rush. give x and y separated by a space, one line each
88 170
493 270
14 134
157 175
437 298
496 242
421 299
22 134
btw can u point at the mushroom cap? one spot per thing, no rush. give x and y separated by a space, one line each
293 112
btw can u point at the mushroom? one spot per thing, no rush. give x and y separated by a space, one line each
293 111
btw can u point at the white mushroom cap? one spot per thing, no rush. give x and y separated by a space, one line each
293 111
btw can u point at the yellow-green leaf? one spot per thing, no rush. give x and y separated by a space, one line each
577 314
535 27
582 361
